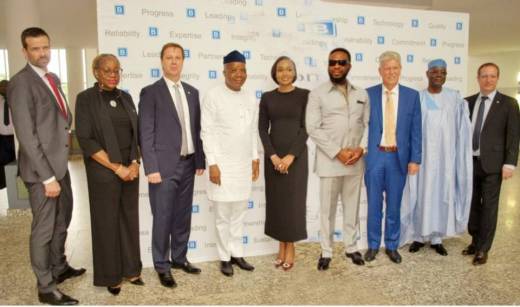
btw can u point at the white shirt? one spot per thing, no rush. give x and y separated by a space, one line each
395 100
42 73
185 109
5 130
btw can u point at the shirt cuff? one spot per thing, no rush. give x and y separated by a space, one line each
49 180
509 166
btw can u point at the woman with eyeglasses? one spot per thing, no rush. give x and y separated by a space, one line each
282 130
106 128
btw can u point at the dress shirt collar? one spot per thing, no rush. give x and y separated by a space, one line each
38 70
491 96
171 83
394 91
349 86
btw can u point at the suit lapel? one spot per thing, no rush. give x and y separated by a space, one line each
191 105
379 106
492 109
38 80
401 108
131 113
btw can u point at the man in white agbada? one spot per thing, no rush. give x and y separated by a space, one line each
229 132
437 200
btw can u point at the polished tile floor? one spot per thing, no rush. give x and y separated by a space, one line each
422 278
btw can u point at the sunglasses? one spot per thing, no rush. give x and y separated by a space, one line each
340 62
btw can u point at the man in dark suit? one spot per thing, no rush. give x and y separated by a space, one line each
394 150
495 120
42 122
169 130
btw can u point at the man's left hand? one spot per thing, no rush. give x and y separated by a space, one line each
507 173
357 153
413 168
256 169
199 171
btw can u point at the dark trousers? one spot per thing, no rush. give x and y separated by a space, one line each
171 203
7 155
114 216
484 207
385 176
51 218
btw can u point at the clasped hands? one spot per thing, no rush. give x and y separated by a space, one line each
214 172
128 173
349 156
282 164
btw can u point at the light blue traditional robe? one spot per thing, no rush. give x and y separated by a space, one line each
436 201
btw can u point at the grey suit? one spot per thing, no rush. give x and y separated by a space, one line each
333 122
43 135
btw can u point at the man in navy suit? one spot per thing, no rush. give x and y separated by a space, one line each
169 131
394 150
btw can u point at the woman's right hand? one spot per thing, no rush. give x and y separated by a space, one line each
123 173
277 162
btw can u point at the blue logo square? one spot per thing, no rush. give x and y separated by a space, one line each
247 54
250 203
458 26
381 40
359 57
192 244
310 61
122 51
153 31
258 94
361 20
277 33
155 72
191 12
337 233
433 42
415 23
409 58
281 12
187 53
259 2
245 239
195 209
456 60
212 74
215 34
119 9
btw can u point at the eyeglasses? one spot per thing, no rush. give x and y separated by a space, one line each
340 62
108 72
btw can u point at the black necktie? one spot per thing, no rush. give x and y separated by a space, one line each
478 123
6 112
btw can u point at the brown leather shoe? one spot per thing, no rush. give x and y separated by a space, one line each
480 258
468 251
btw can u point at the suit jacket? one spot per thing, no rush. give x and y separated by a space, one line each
41 130
332 124
500 132
94 128
160 129
408 130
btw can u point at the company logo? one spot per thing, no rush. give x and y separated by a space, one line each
155 72
187 53
195 209
247 54
259 2
212 74
215 34
153 31
281 12
310 61
409 58
458 26
192 244
415 23
191 12
381 40
327 27
433 42
258 94
245 239
122 51
119 9
277 33
456 60
359 57
250 203
361 20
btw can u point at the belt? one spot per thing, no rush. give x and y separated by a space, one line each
186 157
388 148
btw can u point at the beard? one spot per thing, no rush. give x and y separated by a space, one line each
339 80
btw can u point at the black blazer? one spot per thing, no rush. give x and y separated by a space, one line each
94 128
500 132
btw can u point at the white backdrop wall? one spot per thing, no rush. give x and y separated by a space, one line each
305 30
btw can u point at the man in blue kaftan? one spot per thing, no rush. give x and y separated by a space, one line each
437 200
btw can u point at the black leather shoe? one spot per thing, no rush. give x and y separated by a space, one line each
167 280
186 267
415 247
323 263
242 263
468 251
56 298
69 273
114 290
370 255
138 282
393 255
439 248
356 257
480 258
226 268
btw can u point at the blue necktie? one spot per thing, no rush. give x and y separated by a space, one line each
478 124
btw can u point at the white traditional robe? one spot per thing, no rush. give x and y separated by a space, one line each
436 202
229 132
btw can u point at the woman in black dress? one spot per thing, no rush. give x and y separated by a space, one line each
106 127
282 130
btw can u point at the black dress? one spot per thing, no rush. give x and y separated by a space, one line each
282 130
